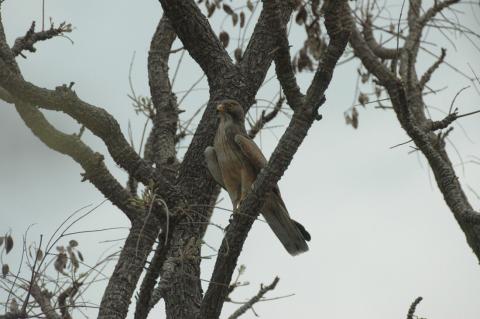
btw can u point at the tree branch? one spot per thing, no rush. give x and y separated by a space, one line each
428 74
265 118
31 37
249 304
377 49
144 301
264 43
413 307
197 36
62 299
416 29
71 145
282 58
44 302
130 265
408 106
160 148
96 119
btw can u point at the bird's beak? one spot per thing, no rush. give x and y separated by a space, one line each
220 108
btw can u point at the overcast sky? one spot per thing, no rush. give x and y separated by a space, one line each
381 232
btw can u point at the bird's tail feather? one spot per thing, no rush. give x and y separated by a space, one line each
285 228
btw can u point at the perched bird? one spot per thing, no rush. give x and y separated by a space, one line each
234 162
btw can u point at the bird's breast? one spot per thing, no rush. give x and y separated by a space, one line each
230 158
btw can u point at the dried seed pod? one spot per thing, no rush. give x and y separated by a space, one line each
73 258
224 38
352 119
364 77
5 270
8 243
301 15
61 262
250 5
80 256
39 255
13 307
242 19
355 118
210 10
227 9
238 54
234 19
362 99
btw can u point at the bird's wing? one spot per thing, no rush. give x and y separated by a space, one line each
255 157
212 165
251 151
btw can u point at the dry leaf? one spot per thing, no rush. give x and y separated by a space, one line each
250 5
13 308
39 254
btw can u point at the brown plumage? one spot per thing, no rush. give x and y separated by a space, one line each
234 162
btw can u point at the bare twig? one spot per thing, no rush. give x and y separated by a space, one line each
249 304
413 307
31 37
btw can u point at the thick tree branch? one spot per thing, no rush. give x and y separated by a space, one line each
96 119
377 49
160 148
197 36
70 292
144 301
122 283
282 58
44 302
31 37
416 29
264 43
95 170
302 120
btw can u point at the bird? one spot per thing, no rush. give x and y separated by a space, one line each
234 161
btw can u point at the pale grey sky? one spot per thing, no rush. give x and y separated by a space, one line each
382 234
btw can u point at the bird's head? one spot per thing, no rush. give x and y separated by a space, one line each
230 109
